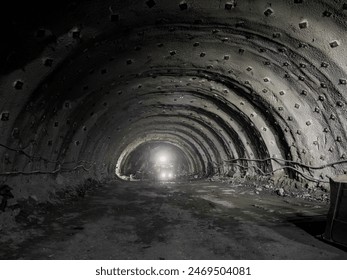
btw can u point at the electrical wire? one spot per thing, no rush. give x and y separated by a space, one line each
278 160
12 173
307 177
39 158
281 161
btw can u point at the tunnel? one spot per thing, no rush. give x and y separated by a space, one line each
210 125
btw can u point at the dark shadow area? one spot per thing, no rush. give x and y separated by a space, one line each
315 226
31 23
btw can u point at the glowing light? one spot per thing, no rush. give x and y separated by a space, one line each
163 175
163 158
170 175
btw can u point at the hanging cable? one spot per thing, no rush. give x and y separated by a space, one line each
281 161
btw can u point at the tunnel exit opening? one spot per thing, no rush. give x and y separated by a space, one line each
157 161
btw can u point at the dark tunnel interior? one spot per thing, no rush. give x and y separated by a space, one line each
169 116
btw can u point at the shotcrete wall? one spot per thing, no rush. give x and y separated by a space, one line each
253 86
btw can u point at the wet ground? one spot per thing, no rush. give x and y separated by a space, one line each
200 220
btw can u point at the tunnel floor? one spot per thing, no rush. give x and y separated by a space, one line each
199 220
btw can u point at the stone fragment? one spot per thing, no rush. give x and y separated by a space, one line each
334 44
230 5
150 3
303 24
327 13
76 34
280 192
268 12
5 116
18 85
183 5
114 17
48 62
40 33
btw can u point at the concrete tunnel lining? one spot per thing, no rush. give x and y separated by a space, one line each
254 92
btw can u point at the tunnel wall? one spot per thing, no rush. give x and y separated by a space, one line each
257 79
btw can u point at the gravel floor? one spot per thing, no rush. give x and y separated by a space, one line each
198 220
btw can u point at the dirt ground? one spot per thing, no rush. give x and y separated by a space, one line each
197 220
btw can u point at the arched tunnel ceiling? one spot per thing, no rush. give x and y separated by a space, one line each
223 80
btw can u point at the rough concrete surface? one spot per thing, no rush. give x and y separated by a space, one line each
201 220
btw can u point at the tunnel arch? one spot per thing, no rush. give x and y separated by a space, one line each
273 86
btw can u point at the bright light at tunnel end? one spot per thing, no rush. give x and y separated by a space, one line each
163 158
153 162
